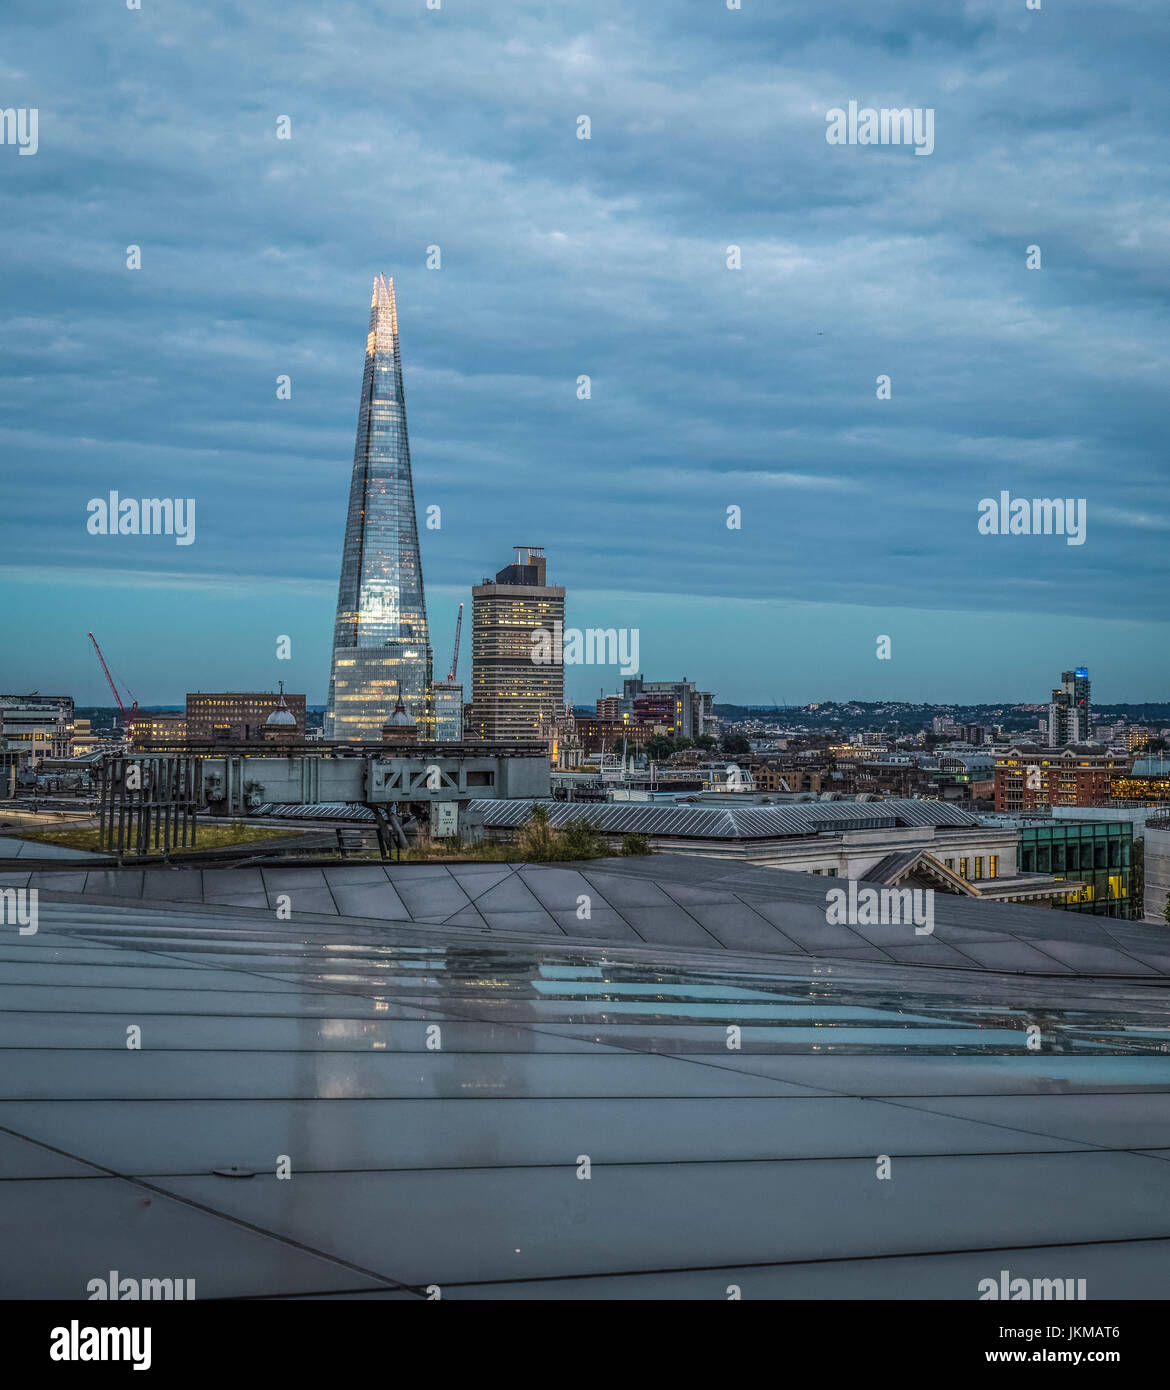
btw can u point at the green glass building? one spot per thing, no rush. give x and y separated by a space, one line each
1098 853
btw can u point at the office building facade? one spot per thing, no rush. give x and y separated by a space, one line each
596 735
158 730
37 726
517 653
1099 854
448 702
677 707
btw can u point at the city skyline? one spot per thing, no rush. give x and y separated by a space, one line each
742 870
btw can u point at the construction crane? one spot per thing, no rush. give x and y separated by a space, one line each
455 655
127 714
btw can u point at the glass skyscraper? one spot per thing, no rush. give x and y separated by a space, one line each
381 645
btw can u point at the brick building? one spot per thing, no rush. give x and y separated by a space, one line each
1028 776
606 735
238 716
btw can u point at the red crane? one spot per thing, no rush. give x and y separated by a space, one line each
127 714
455 656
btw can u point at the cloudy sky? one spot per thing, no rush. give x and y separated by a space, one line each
561 257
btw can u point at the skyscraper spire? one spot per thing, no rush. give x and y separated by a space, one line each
381 647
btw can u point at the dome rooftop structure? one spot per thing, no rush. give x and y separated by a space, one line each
400 727
400 719
281 717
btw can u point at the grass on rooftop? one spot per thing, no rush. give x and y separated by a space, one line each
209 837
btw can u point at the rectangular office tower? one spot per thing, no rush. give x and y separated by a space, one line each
517 653
381 647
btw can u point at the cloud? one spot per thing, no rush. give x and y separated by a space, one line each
604 257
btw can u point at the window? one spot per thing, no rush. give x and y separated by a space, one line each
994 866
979 867
963 868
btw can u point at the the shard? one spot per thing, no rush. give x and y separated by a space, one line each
381 644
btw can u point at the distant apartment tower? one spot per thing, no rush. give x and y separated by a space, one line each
703 713
516 697
1069 709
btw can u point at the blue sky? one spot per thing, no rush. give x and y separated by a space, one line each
607 257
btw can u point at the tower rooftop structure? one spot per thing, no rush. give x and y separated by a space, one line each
281 717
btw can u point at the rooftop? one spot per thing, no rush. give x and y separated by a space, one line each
704 1036
735 821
